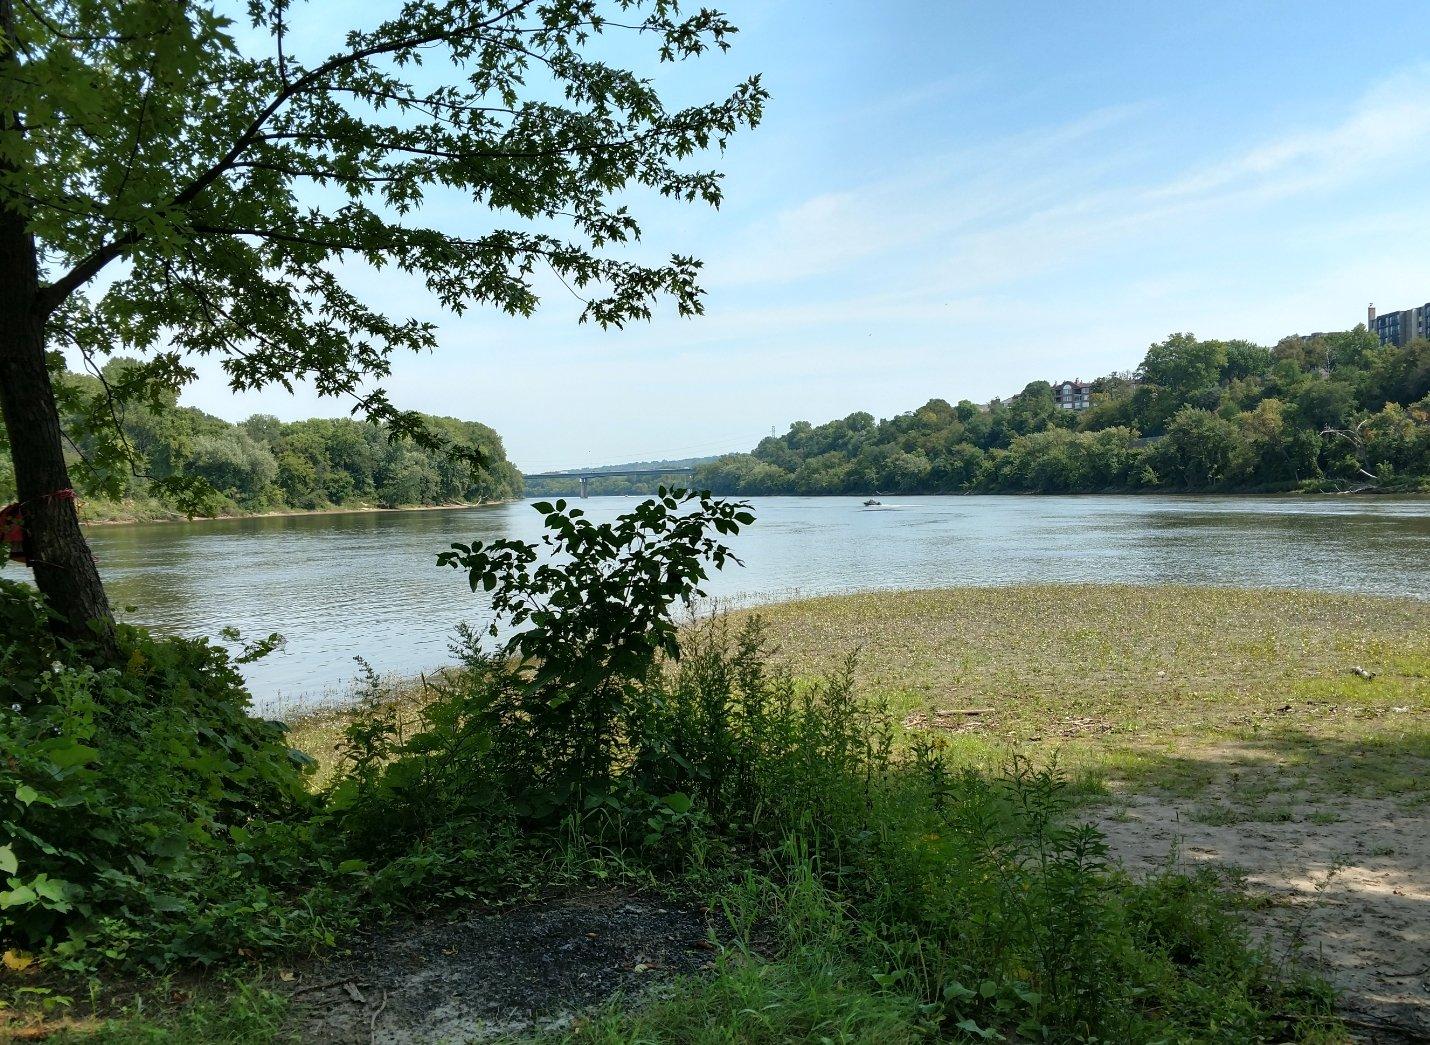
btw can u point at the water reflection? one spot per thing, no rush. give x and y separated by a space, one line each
338 586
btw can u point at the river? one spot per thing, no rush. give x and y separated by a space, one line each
340 586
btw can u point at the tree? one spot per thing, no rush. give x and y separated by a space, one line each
1244 359
1198 450
1324 404
264 428
1183 364
233 464
229 193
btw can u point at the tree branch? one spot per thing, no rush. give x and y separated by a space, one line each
52 296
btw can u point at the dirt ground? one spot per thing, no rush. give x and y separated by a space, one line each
500 975
1342 887
1349 898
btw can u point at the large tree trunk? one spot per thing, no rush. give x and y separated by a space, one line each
64 570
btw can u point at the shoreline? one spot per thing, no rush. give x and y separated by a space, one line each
312 707
1422 493
179 517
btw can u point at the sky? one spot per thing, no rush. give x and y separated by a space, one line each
951 199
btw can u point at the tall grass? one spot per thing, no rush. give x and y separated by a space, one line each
866 891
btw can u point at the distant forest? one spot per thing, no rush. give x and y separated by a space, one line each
1332 412
264 464
1329 412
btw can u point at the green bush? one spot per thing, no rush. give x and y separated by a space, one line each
592 613
761 753
126 787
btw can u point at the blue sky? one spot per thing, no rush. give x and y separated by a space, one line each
950 199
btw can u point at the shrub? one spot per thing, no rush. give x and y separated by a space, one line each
125 786
760 752
592 617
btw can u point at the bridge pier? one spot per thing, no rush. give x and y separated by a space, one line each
585 486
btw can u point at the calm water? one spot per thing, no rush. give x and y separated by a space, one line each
337 586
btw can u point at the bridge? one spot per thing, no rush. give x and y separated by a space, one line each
586 475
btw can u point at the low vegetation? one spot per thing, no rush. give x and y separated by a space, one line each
873 883
1143 684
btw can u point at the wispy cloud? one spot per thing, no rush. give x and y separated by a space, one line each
1219 199
1022 206
1391 124
944 193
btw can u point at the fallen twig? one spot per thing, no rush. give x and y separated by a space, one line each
372 1020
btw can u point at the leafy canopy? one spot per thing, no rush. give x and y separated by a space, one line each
233 187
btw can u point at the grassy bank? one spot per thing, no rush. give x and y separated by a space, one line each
1142 686
1123 686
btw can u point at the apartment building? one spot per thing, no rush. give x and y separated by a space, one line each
1396 328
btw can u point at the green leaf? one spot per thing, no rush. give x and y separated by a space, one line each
21 894
970 1027
680 803
169 845
954 990
8 863
25 794
69 752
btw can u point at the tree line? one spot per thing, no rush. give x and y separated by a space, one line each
261 464
1326 412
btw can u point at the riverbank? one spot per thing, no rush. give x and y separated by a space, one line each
1279 739
1255 761
1126 685
131 513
